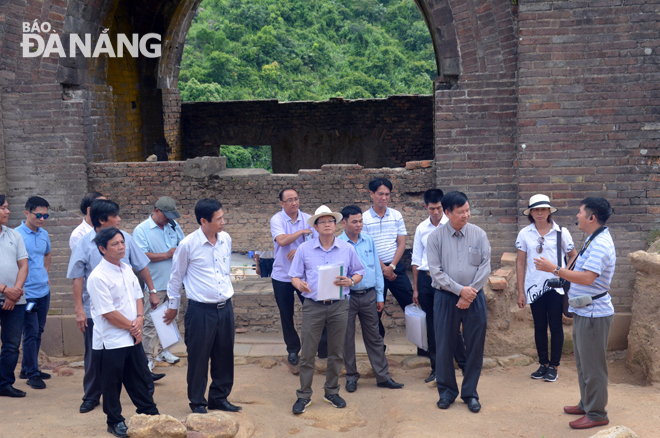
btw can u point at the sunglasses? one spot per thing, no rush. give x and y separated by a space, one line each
41 216
539 248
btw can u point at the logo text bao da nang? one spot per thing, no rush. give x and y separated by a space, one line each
34 44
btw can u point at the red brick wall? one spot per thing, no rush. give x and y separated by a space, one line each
587 115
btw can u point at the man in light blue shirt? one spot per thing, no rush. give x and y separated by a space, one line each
37 288
366 301
158 237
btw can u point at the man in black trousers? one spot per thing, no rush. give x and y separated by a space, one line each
459 264
202 262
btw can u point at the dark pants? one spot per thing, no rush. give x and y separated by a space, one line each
266 267
209 337
547 310
285 299
127 366
401 290
93 361
11 327
426 298
33 327
448 319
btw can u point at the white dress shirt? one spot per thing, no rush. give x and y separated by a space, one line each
422 232
80 231
203 268
111 288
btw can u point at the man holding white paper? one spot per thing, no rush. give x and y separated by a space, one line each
324 250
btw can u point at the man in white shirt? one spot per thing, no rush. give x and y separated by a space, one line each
202 263
116 308
422 289
86 225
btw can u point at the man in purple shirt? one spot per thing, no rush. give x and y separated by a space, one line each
324 250
289 229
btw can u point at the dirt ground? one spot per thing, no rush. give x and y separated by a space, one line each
513 405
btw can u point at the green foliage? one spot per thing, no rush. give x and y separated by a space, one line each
244 157
306 50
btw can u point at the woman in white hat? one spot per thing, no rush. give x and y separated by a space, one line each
536 240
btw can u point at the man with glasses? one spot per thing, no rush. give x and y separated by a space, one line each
289 229
323 250
37 288
13 273
459 263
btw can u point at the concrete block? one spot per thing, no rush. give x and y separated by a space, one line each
201 167
51 339
618 339
73 341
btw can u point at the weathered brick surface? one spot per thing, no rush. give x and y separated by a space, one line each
587 115
306 135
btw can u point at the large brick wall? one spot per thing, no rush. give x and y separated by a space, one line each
588 116
306 135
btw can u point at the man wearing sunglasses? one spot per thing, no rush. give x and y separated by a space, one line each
37 288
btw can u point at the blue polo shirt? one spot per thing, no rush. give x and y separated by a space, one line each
151 238
37 246
373 275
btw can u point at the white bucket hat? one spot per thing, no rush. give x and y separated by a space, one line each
323 211
539 201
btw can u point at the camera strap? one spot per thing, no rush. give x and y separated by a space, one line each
584 248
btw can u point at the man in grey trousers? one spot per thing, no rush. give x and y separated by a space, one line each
366 301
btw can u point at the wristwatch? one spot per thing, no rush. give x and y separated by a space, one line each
352 282
153 291
556 271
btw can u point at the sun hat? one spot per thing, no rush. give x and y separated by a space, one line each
539 201
323 211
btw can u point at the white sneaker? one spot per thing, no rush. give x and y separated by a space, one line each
150 364
168 357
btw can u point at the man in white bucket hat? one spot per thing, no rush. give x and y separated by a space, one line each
333 314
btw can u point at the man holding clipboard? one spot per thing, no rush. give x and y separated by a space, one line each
326 306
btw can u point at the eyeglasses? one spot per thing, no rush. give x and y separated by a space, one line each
40 216
325 222
539 248
291 200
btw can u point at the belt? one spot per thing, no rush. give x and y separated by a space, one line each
424 272
327 302
220 305
362 291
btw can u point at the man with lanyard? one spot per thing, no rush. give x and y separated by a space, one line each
202 263
116 307
13 272
37 288
86 224
84 258
366 301
459 262
158 237
289 229
590 281
423 294
323 250
385 225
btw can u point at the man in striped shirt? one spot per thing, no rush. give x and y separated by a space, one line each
385 225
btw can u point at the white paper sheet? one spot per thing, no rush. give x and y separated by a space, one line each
327 276
168 335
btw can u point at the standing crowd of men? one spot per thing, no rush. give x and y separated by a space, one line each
450 265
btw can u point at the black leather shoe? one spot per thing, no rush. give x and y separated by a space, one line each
430 378
293 358
157 377
88 406
42 375
443 403
36 383
351 385
10 391
118 429
391 384
199 410
225 406
473 404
